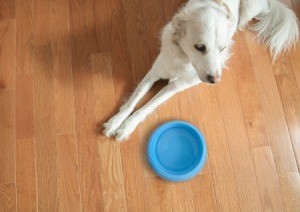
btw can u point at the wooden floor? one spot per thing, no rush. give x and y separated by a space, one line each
65 68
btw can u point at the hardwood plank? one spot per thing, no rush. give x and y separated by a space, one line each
89 171
68 173
7 54
255 48
283 65
8 197
294 59
203 193
62 64
218 151
64 88
24 71
154 20
24 37
269 187
112 178
7 151
135 185
290 98
98 25
170 7
120 58
7 9
45 130
136 38
274 114
290 185
26 175
159 193
46 153
238 144
25 126
249 97
7 139
90 30
181 197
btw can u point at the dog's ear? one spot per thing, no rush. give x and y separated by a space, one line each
179 25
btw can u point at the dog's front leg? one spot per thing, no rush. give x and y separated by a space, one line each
167 92
114 123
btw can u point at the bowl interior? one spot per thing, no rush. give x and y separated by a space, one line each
178 150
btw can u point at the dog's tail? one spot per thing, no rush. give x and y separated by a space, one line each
278 28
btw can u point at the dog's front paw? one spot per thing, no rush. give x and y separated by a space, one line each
126 129
112 125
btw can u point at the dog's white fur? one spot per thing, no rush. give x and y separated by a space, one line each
203 22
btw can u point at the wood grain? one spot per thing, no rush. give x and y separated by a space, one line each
290 184
268 183
26 175
7 151
112 178
239 145
248 94
136 36
7 139
219 158
90 184
7 54
7 9
68 173
290 97
62 68
24 37
8 197
160 191
203 193
25 122
67 66
274 114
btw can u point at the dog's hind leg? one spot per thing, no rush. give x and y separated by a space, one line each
114 123
167 92
250 9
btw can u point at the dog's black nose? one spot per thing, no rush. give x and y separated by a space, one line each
211 79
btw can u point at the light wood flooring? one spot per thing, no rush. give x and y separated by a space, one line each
65 68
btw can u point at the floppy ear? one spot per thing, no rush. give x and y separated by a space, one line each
179 25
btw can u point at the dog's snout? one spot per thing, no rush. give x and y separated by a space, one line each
211 79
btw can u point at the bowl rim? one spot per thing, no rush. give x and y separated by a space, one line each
152 159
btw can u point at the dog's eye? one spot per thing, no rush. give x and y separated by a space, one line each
222 49
200 48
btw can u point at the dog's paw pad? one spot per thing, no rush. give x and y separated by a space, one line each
109 129
112 125
122 134
107 132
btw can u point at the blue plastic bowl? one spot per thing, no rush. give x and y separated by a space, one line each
177 151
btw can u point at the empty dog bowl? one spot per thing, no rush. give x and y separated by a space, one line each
176 151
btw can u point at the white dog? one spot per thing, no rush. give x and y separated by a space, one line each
195 47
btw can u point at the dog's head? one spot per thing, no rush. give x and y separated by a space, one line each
203 35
